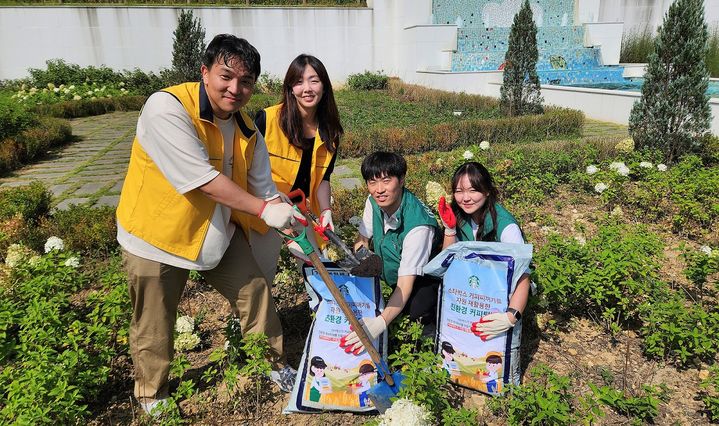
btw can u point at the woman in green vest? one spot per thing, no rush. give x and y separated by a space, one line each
302 134
475 215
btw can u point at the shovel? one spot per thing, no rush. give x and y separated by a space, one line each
364 263
388 383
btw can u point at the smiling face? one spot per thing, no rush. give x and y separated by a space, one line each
468 198
308 90
228 85
387 192
319 371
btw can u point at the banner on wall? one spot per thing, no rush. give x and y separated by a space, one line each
328 378
478 279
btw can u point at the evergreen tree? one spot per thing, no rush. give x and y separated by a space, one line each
673 114
520 92
188 46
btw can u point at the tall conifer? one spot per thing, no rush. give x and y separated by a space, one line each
520 92
188 46
673 113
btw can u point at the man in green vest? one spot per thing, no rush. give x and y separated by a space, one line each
403 231
198 170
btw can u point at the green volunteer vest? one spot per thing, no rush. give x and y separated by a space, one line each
504 219
388 245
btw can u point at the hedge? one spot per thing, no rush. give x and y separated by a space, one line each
89 107
33 142
554 123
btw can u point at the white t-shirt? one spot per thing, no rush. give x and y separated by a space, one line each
166 133
417 244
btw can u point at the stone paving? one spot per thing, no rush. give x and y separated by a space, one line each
91 171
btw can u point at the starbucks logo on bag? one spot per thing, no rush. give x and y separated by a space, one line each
474 281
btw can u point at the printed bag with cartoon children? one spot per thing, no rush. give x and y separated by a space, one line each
327 377
478 279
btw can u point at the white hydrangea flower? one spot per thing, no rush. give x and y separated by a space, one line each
355 221
662 167
76 98
600 187
186 342
34 260
467 155
581 240
620 168
434 191
185 324
227 345
706 250
405 412
591 169
484 145
57 89
16 255
646 165
54 243
73 262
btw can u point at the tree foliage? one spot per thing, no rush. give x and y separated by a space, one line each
520 92
188 46
673 114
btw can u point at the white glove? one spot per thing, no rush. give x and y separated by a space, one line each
373 326
279 215
297 252
326 220
493 325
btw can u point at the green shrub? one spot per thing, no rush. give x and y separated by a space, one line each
33 142
546 400
444 137
267 83
450 101
143 83
642 409
13 117
367 80
30 202
84 229
90 107
59 72
57 355
605 279
678 331
710 393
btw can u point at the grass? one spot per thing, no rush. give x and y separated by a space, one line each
637 46
362 110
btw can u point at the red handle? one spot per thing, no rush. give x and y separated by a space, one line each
301 204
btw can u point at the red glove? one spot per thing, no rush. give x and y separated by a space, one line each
447 215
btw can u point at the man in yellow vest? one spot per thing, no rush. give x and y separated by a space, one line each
198 171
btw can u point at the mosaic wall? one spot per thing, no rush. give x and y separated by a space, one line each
484 30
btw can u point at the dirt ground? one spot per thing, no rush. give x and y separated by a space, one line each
575 347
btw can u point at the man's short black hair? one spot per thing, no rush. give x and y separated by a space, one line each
226 48
381 163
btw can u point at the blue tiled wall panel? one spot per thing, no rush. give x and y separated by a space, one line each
481 39
500 13
484 32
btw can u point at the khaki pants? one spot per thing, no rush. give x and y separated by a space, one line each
155 291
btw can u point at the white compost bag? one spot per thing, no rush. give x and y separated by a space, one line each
478 279
327 377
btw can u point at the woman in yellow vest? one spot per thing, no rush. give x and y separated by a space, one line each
302 135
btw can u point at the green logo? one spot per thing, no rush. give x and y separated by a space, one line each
474 281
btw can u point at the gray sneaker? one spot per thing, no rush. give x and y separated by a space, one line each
284 378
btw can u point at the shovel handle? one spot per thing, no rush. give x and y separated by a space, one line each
356 326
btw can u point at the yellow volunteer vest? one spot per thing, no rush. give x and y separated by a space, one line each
285 163
151 209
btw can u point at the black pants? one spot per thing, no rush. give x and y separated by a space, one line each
422 303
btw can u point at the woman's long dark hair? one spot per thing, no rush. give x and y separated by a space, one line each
327 115
481 180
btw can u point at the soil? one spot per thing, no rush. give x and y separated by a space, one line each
578 348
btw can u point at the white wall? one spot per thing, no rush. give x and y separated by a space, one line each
129 37
640 14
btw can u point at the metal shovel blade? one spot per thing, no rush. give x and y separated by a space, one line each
364 263
382 393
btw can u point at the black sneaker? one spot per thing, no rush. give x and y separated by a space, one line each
284 378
